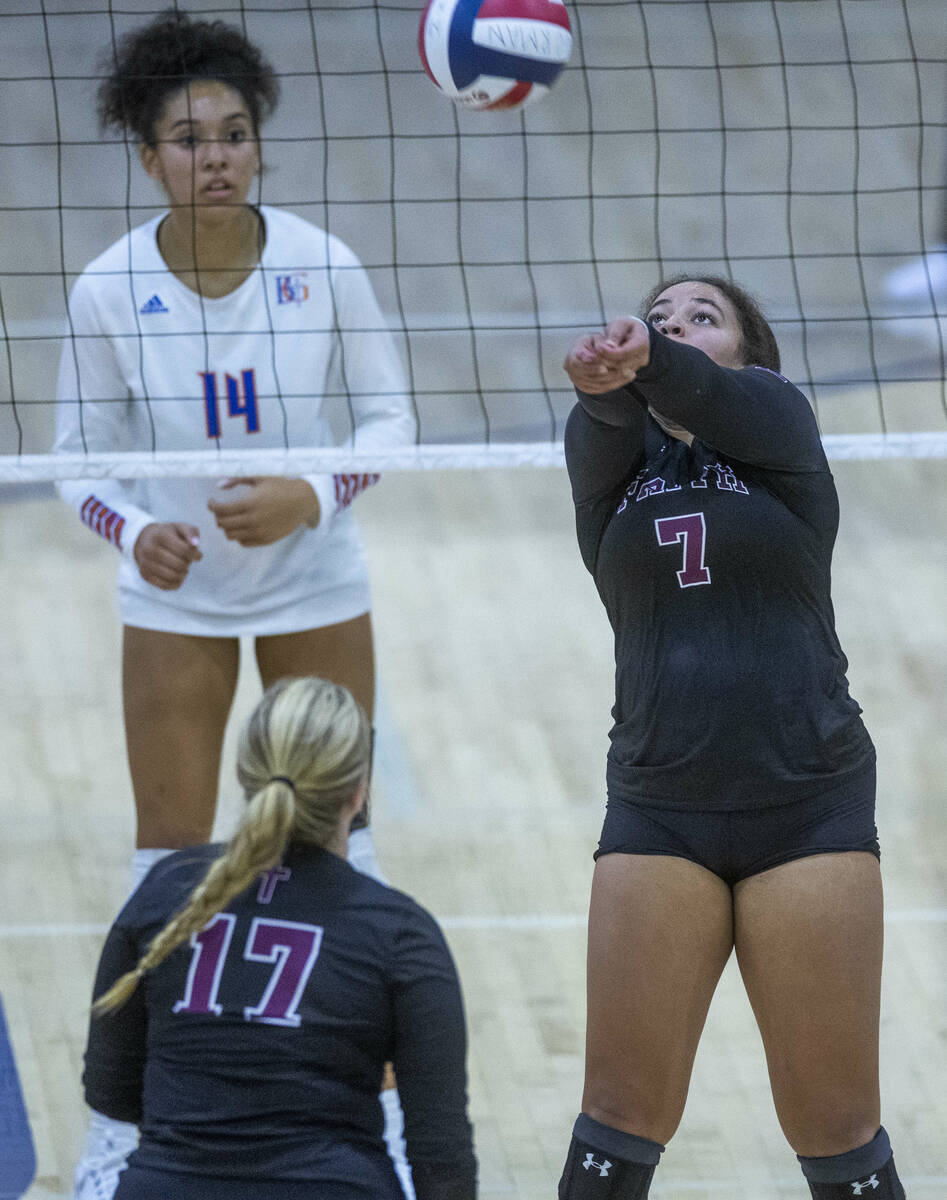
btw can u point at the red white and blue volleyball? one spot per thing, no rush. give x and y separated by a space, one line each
494 54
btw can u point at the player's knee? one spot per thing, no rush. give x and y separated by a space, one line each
653 1125
826 1130
655 1116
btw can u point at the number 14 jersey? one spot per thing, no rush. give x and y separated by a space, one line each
299 349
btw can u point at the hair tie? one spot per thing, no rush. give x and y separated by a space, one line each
282 779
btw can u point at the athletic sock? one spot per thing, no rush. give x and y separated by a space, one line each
361 853
607 1164
866 1171
394 1138
107 1147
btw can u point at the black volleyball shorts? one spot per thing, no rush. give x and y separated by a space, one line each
744 842
144 1183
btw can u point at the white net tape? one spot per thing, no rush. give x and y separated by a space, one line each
43 467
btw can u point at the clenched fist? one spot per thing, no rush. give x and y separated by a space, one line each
164 552
267 509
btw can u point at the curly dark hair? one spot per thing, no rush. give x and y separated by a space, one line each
758 346
149 64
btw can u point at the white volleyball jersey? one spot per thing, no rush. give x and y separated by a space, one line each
150 365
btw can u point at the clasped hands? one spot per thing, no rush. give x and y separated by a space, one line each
605 361
266 509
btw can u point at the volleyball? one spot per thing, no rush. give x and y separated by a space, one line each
494 54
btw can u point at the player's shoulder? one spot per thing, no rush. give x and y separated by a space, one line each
394 908
767 378
415 923
773 385
137 243
767 371
136 250
795 428
375 891
287 231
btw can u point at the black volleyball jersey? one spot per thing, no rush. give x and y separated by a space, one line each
257 1050
713 562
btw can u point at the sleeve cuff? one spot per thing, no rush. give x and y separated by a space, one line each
324 487
131 531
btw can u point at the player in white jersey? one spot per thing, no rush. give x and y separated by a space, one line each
153 365
220 324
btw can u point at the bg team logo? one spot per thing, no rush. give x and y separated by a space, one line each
292 289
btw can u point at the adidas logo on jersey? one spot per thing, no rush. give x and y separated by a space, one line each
154 305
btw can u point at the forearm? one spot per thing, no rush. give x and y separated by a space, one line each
115 1054
102 1095
600 455
753 415
430 1065
624 407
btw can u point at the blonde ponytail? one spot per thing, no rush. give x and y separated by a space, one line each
303 754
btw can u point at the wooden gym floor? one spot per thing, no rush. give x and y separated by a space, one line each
495 686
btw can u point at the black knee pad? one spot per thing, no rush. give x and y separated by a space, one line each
607 1164
867 1171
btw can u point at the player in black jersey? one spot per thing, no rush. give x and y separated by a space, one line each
740 776
248 996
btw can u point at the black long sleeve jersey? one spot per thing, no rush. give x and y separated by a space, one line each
257 1051
713 563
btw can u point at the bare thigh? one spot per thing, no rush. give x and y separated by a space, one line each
343 653
660 933
177 692
809 943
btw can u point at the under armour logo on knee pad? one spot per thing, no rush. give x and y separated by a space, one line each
601 1167
870 1182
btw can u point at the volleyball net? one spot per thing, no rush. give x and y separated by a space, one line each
797 146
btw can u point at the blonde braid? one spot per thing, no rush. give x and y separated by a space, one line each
257 845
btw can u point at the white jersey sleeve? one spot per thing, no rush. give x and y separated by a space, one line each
149 366
91 415
368 370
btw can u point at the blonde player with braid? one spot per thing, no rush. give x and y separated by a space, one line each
248 996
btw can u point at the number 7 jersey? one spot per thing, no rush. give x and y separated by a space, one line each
713 562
